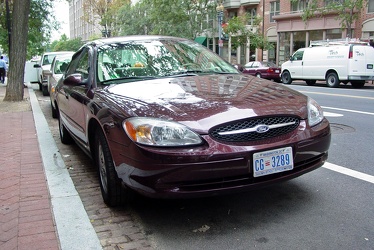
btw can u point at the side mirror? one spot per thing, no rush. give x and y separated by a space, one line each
48 73
74 80
291 58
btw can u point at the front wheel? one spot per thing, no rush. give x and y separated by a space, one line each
286 77
332 80
258 75
112 191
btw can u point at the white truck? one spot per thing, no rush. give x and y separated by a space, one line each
334 62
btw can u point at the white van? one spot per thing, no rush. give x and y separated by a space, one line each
345 62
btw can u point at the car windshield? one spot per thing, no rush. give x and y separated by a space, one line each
47 59
61 64
157 58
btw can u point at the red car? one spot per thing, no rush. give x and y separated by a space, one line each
168 118
267 70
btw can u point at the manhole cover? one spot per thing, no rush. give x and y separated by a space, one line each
341 128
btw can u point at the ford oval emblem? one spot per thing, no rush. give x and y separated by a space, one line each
262 128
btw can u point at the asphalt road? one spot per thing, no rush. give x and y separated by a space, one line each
330 208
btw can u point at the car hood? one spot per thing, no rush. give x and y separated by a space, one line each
201 102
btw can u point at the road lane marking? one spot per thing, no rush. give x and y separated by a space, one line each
329 114
350 96
349 110
349 172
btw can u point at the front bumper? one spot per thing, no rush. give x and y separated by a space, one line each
217 169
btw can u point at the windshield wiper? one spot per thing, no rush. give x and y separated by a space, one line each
192 72
129 78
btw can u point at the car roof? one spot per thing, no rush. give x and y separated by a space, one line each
65 55
58 52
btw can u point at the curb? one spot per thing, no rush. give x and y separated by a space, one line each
73 226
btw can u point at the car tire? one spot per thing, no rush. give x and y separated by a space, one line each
357 84
45 90
286 77
54 111
258 75
65 137
332 80
112 191
310 82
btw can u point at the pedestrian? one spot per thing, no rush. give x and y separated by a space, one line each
3 69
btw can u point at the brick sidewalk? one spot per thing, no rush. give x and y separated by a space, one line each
25 208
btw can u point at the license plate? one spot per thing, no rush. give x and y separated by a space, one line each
276 71
369 66
272 161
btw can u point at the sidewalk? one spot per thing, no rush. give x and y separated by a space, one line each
39 206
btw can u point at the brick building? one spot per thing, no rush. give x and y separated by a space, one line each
283 26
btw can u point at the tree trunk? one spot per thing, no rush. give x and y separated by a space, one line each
17 50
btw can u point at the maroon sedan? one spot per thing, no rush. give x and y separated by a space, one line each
168 118
266 70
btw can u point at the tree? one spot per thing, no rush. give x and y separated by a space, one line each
40 23
347 11
240 35
134 19
18 45
65 44
103 13
166 17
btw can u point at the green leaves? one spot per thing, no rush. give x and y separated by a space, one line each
241 33
347 11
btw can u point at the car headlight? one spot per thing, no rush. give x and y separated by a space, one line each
157 132
315 112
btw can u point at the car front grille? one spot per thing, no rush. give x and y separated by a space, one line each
254 129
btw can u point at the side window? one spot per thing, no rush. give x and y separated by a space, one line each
83 66
256 65
249 65
298 56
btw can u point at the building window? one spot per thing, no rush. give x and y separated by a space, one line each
251 13
274 10
371 6
327 2
232 14
299 40
334 34
315 35
284 47
297 6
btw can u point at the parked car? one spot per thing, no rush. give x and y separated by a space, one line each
58 67
267 70
168 118
43 66
345 61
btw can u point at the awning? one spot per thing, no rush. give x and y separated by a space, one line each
201 40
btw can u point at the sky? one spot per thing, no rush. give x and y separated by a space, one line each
61 12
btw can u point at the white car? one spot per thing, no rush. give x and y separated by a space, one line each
45 65
54 74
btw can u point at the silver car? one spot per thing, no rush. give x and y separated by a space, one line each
58 67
